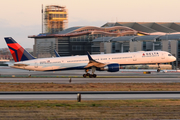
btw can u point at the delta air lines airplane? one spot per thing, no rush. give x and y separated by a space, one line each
101 62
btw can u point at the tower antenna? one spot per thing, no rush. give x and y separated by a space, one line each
42 18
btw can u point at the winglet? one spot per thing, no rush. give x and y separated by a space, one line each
57 55
93 62
89 56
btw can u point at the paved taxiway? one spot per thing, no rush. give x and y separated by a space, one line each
90 80
173 77
85 96
7 71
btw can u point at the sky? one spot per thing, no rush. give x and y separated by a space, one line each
22 18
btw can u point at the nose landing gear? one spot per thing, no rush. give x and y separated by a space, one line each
159 69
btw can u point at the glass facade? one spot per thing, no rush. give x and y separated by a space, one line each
113 47
79 45
158 46
83 38
178 49
63 46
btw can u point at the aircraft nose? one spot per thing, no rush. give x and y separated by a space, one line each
174 58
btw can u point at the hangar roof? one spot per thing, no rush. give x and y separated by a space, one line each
138 38
147 37
118 29
103 39
149 27
170 37
123 39
82 30
68 30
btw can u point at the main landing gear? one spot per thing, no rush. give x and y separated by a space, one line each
90 75
159 69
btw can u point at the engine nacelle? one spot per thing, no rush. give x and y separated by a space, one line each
110 68
113 67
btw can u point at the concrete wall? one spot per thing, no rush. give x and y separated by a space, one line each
165 45
135 46
117 47
174 48
131 46
170 46
108 48
44 47
149 46
139 46
102 47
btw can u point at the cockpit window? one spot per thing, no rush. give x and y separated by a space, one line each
169 54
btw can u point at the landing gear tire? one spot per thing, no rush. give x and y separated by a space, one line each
94 75
158 70
84 75
90 76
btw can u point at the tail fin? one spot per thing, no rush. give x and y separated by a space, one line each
57 55
17 51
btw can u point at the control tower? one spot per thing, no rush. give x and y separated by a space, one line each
56 18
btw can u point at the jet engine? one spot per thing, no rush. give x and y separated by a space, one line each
110 68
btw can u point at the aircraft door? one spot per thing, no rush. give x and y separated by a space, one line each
134 58
162 56
36 65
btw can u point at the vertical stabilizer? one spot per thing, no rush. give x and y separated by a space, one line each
17 51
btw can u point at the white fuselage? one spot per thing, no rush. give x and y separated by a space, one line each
79 62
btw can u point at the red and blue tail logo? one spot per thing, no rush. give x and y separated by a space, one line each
17 51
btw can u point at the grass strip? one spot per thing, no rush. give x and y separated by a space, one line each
111 109
90 87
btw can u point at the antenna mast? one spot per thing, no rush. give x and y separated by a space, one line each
42 18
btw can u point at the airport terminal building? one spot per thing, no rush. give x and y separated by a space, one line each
110 38
75 40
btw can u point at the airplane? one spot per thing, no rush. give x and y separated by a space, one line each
101 62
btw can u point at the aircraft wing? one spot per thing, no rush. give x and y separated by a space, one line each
94 63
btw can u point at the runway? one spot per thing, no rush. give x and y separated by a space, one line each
6 71
58 77
89 96
89 80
